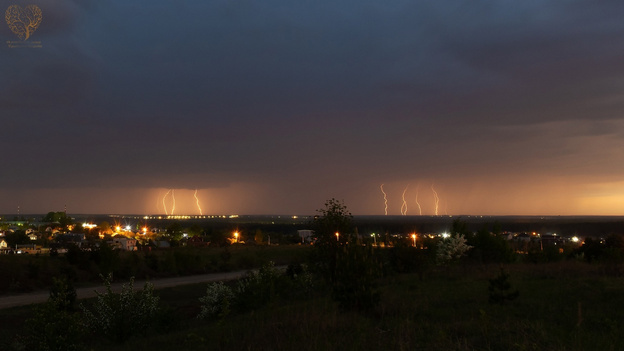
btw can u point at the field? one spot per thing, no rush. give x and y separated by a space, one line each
566 305
563 306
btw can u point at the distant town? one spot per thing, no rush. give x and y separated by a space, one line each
54 232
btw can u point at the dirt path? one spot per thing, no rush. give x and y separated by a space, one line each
88 292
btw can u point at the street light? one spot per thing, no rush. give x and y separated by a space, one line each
414 237
236 236
337 236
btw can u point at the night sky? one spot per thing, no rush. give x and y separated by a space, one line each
274 106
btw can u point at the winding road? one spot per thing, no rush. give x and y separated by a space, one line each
88 292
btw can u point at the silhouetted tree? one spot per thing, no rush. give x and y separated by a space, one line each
18 237
350 268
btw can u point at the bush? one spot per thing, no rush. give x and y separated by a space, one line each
217 302
357 271
63 294
489 248
120 316
54 326
409 259
257 288
452 248
500 290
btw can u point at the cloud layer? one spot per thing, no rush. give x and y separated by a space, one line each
508 107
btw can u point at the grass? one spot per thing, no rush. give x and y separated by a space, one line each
449 310
562 306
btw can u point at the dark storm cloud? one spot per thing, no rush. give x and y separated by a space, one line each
209 93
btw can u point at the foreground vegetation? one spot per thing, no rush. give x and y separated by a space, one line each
561 306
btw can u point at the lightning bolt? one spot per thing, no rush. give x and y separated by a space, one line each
404 205
436 199
163 201
173 198
385 200
417 203
197 201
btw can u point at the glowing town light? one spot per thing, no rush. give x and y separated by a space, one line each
337 236
414 238
128 228
385 200
374 238
236 236
118 228
446 235
197 201
575 239
144 230
89 225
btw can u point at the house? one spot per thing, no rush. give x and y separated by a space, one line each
124 243
70 238
198 241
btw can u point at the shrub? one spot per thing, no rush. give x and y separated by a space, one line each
357 271
120 316
500 289
217 302
63 294
452 248
490 248
52 329
54 326
408 259
257 288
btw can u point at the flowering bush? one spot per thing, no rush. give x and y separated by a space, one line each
258 287
452 248
119 316
217 301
